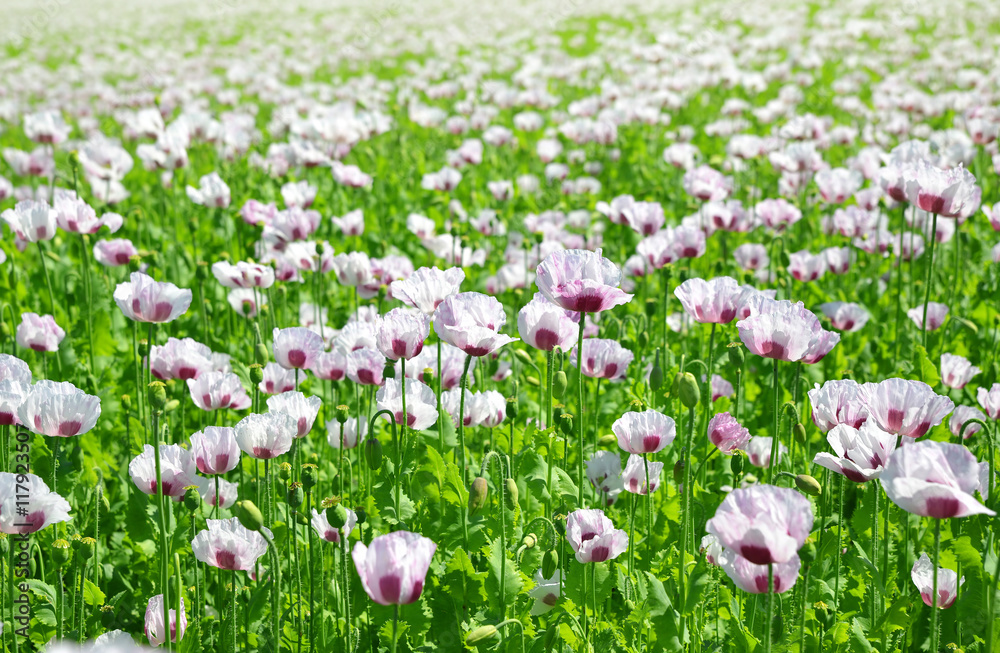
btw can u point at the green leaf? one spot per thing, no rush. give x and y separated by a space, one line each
928 371
42 590
895 618
862 561
465 585
697 581
657 602
92 594
513 581
859 640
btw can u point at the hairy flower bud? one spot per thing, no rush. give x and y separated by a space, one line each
480 634
510 498
373 453
478 494
192 498
249 515
688 390
808 485
550 562
157 395
559 384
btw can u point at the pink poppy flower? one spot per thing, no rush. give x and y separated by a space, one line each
156 630
366 366
712 301
349 175
351 224
961 415
354 433
180 359
645 218
752 578
228 492
580 281
765 524
604 471
758 451
27 505
936 314
785 331
904 407
144 300
296 347
634 475
728 216
990 400
215 450
114 253
950 193
178 470
727 434
711 548
298 193
266 436
603 359
321 524
751 256
227 544
277 379
393 569
545 326
31 221
934 479
331 365
838 259
471 321
657 250
806 266
421 403
300 408
218 391
647 432
426 288
58 409
400 333
488 408
719 387
957 371
39 332
594 537
688 241
777 213
837 184
845 316
861 454
948 583
707 184
452 363
211 191
243 274
837 402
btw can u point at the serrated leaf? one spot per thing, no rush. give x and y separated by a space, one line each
859 640
42 590
928 371
465 585
697 581
513 581
92 594
657 602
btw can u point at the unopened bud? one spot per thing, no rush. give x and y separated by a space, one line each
736 358
608 440
736 463
656 374
559 384
261 355
373 453
248 515
550 562
143 348
532 380
512 408
529 541
157 395
127 403
808 485
524 357
480 634
192 498
688 390
799 433
478 493
256 374
172 405
510 498
651 308
679 471
566 423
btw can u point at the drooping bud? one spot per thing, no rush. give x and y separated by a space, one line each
607 440
172 405
808 485
679 471
480 634
524 357
656 374
550 562
157 395
261 355
373 453
736 358
559 384
529 541
478 494
799 433
249 515
510 498
688 390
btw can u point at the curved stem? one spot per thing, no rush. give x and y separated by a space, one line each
396 485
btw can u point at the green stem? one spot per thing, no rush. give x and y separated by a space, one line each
579 368
48 280
275 591
773 462
686 507
930 272
770 607
649 510
934 600
395 625
11 586
461 445
840 530
162 524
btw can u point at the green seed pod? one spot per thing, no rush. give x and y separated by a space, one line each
261 355
310 475
478 494
550 562
295 495
688 390
192 498
157 395
134 262
651 308
342 413
566 423
61 553
799 433
390 371
559 520
88 546
361 515
736 463
679 471
143 348
736 358
337 516
284 471
512 408
656 374
107 616
808 485
480 634
256 374
127 403
373 453
428 375
559 384
510 498
249 515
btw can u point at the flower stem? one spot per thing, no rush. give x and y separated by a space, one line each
840 531
162 524
770 607
685 507
649 511
579 368
875 491
395 625
547 424
934 600
930 272
775 447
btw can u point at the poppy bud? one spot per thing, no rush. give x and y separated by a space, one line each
559 384
793 411
373 453
157 395
511 497
480 634
736 358
529 541
295 495
360 514
550 637
808 485
478 493
342 412
249 515
642 339
799 433
736 463
679 471
512 407
256 374
192 498
656 374
173 404
559 520
428 375
650 308
532 380
127 403
284 471
88 546
309 476
608 440
550 562
261 355
524 357
61 553
688 390
337 516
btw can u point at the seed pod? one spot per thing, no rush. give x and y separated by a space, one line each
478 493
688 390
656 374
295 495
550 562
373 453
651 308
532 380
337 516
390 370
107 616
143 348
342 413
88 547
428 375
249 515
310 474
808 485
285 471
256 374
510 498
736 463
157 395
642 339
566 423
192 498
61 553
480 634
512 409
360 514
559 384
679 471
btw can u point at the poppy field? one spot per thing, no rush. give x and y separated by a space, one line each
579 326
